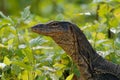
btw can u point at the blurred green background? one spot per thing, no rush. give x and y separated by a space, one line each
25 55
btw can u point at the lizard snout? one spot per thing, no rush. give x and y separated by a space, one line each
34 29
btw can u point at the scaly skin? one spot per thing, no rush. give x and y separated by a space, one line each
73 41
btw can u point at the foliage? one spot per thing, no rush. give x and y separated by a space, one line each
25 55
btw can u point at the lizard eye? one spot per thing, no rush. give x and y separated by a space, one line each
54 25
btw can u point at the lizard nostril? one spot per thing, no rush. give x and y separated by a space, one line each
34 29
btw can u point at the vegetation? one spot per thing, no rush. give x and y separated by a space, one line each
25 55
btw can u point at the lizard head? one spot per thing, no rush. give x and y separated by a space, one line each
60 31
54 28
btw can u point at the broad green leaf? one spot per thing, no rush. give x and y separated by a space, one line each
38 72
37 41
70 77
94 34
118 52
28 53
65 61
26 13
25 59
42 77
3 26
7 18
101 41
98 35
7 60
75 70
15 69
24 75
3 46
23 65
101 36
46 68
13 30
54 77
59 73
10 42
1 14
104 10
117 13
59 17
117 43
114 22
58 65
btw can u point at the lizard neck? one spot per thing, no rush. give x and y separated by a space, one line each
68 44
77 49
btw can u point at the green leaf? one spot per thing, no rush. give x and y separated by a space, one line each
59 73
3 46
28 52
7 60
59 66
5 17
117 13
42 77
70 77
10 42
117 42
2 15
104 10
37 41
54 77
23 65
15 69
76 71
101 41
26 13
113 22
24 75
46 68
59 17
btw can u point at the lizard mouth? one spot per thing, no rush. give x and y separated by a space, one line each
33 29
38 28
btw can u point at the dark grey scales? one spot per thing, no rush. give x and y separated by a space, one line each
90 64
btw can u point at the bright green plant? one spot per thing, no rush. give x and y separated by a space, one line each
24 53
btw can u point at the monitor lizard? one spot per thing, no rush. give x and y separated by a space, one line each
73 41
